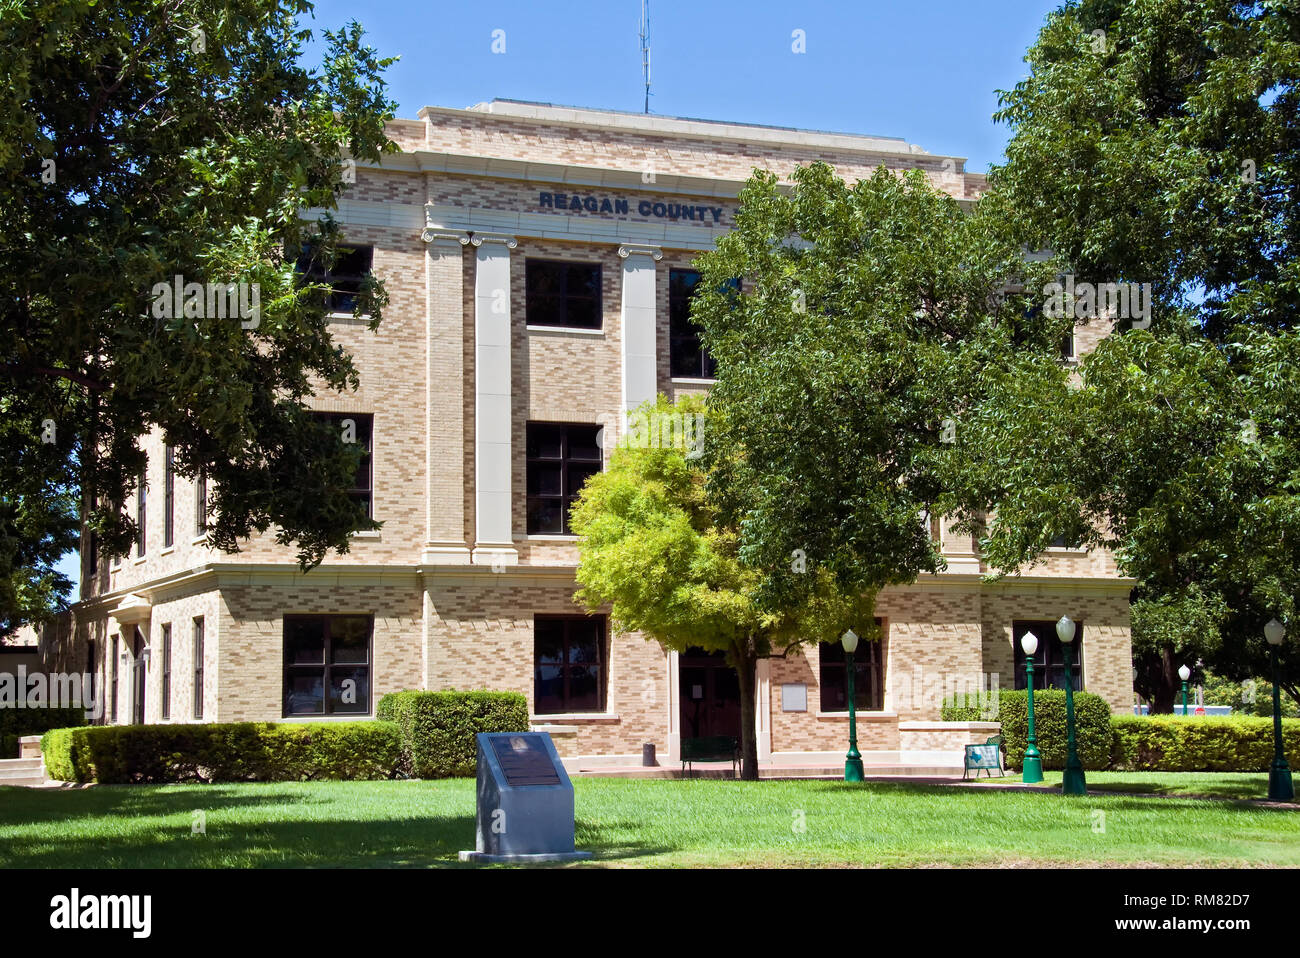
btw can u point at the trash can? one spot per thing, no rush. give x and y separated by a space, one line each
648 755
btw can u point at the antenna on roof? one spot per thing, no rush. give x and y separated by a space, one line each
645 49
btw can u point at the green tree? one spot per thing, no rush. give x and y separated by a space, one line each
654 548
1155 142
139 141
867 322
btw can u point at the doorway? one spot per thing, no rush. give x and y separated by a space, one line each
709 692
138 678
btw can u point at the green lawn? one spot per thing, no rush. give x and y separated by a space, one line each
659 823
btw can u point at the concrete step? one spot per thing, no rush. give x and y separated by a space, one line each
22 771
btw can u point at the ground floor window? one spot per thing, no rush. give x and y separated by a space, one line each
868 676
1049 660
569 664
327 664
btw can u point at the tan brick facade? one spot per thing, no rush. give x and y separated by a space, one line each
469 188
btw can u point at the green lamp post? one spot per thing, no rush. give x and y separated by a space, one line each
853 760
1032 770
1073 781
1184 673
1280 786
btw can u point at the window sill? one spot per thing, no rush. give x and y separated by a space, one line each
862 716
571 717
138 559
693 381
334 317
550 537
372 534
199 540
579 330
1064 551
350 717
168 551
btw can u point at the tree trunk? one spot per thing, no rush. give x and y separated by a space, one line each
1166 686
747 669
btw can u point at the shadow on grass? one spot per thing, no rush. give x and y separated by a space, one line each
148 827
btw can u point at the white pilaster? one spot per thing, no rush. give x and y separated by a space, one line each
763 709
492 400
674 709
640 342
444 449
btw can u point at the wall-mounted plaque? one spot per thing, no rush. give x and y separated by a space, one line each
794 697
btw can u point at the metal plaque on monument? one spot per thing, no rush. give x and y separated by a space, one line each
525 801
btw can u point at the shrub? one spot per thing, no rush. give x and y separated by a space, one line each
16 723
1163 743
230 752
971 707
438 728
1092 727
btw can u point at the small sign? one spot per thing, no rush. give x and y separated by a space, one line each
697 691
794 697
524 760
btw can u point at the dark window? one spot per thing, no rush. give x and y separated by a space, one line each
1049 660
141 514
92 544
91 677
200 505
686 356
112 682
560 459
345 278
198 667
359 429
166 704
868 676
327 664
569 664
169 496
562 294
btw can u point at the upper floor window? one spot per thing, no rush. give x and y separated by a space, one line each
169 497
357 428
141 513
345 278
562 294
868 676
200 505
687 358
560 459
1049 660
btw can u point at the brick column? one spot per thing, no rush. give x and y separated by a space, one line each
444 398
494 535
640 346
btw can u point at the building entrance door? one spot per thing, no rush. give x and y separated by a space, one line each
137 679
709 695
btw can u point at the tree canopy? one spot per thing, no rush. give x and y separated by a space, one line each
145 140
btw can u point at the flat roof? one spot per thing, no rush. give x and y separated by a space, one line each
687 126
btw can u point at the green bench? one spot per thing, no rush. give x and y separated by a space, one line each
713 748
987 757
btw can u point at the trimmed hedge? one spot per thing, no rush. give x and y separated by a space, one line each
971 707
1092 727
1162 743
438 728
16 723
230 752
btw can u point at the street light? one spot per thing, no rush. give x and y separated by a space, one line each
1184 673
1280 786
1032 767
1072 782
852 761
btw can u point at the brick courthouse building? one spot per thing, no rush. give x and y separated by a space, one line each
538 261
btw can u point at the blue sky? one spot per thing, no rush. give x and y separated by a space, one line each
926 72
